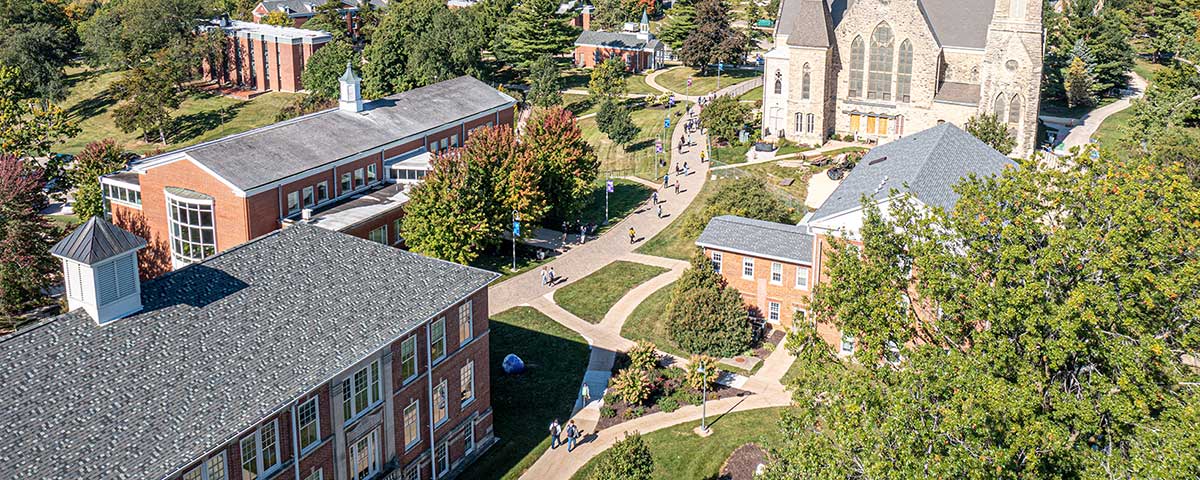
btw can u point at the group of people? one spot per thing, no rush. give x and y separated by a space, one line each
556 434
548 276
585 229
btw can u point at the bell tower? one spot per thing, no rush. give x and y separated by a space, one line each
1010 77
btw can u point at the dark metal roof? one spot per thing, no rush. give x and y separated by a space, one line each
926 164
219 346
95 241
776 241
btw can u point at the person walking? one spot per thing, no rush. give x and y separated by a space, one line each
555 433
677 186
564 231
632 235
582 233
586 393
545 279
572 434
654 197
660 211
685 169
552 277
666 180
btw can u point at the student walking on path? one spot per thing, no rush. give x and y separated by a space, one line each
545 278
586 394
572 434
555 434
632 235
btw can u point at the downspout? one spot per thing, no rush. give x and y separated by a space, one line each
429 381
295 442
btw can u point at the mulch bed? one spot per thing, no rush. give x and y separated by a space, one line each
775 337
743 463
666 380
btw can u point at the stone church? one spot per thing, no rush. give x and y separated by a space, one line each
882 69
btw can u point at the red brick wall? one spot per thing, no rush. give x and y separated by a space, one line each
363 230
585 56
229 210
404 148
362 163
759 291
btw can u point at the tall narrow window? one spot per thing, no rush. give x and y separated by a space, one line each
811 122
364 456
1014 110
408 359
806 83
776 273
466 322
857 60
716 261
412 424
748 268
371 174
802 278
310 430
998 108
904 72
309 197
437 339
293 202
778 82
360 391
440 411
466 385
346 185
879 80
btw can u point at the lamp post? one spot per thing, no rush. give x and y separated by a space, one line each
703 399
516 231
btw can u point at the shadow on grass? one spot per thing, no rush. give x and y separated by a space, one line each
93 106
190 126
523 405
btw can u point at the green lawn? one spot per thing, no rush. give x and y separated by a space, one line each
639 159
649 322
672 242
637 84
580 105
626 197
556 358
679 454
731 154
752 95
578 78
1113 128
590 297
200 118
774 174
1146 69
676 79
1060 109
67 222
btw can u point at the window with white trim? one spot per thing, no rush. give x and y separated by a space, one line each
211 469
440 401
260 451
716 261
293 202
469 438
378 235
413 472
318 474
396 228
892 353
359 178
776 273
802 278
361 391
408 359
346 183
466 383
123 195
309 198
322 191
310 428
372 175
748 268
466 322
454 140
192 232
364 456
773 312
437 339
445 143
412 425
443 459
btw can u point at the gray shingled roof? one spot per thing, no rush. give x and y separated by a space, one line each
777 241
219 346
807 24
95 241
277 151
308 7
955 92
955 23
929 163
617 40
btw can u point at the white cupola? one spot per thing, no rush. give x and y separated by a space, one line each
100 270
350 99
644 27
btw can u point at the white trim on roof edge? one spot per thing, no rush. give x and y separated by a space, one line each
793 261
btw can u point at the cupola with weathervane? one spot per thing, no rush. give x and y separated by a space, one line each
350 99
100 270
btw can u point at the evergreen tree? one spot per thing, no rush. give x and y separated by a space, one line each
681 22
705 315
628 459
1077 81
533 30
545 83
611 15
991 130
26 266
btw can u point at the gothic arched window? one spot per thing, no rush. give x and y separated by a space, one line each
1014 110
904 72
778 82
857 59
879 81
805 83
998 108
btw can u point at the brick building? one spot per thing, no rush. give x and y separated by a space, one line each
263 57
304 354
299 11
776 266
345 169
640 50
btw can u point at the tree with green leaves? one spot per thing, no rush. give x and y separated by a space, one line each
681 22
611 15
724 117
567 162
609 80
124 33
533 30
27 127
278 19
1105 36
97 159
37 38
714 39
990 130
705 315
26 266
325 67
1078 83
745 196
418 43
628 459
614 120
150 97
545 83
1049 333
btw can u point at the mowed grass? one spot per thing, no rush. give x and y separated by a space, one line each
649 322
752 95
201 116
676 79
639 158
673 241
591 297
774 175
1113 128
627 196
555 359
679 454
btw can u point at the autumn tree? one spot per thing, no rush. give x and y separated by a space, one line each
567 162
96 159
26 266
1046 332
278 19
608 80
1078 84
991 130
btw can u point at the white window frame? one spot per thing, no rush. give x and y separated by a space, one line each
414 439
466 334
441 404
256 439
776 273
847 340
293 203
322 191
466 388
309 197
773 311
360 178
442 454
204 471
716 261
200 206
347 183
372 174
371 375
441 324
469 438
318 474
802 277
315 405
372 445
381 233
411 344
748 268
121 195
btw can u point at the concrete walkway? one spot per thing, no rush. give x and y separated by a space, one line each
768 157
1082 134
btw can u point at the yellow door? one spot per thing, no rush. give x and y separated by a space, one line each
870 124
883 126
855 121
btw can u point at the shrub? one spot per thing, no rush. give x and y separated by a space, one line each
632 386
705 315
696 380
634 412
607 412
687 396
668 404
643 355
628 459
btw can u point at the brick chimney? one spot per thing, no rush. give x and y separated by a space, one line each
100 269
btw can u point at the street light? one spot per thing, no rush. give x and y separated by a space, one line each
703 399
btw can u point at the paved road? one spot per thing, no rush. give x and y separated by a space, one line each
1082 134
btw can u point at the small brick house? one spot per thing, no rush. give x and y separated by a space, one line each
640 50
776 266
345 169
304 354
264 58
